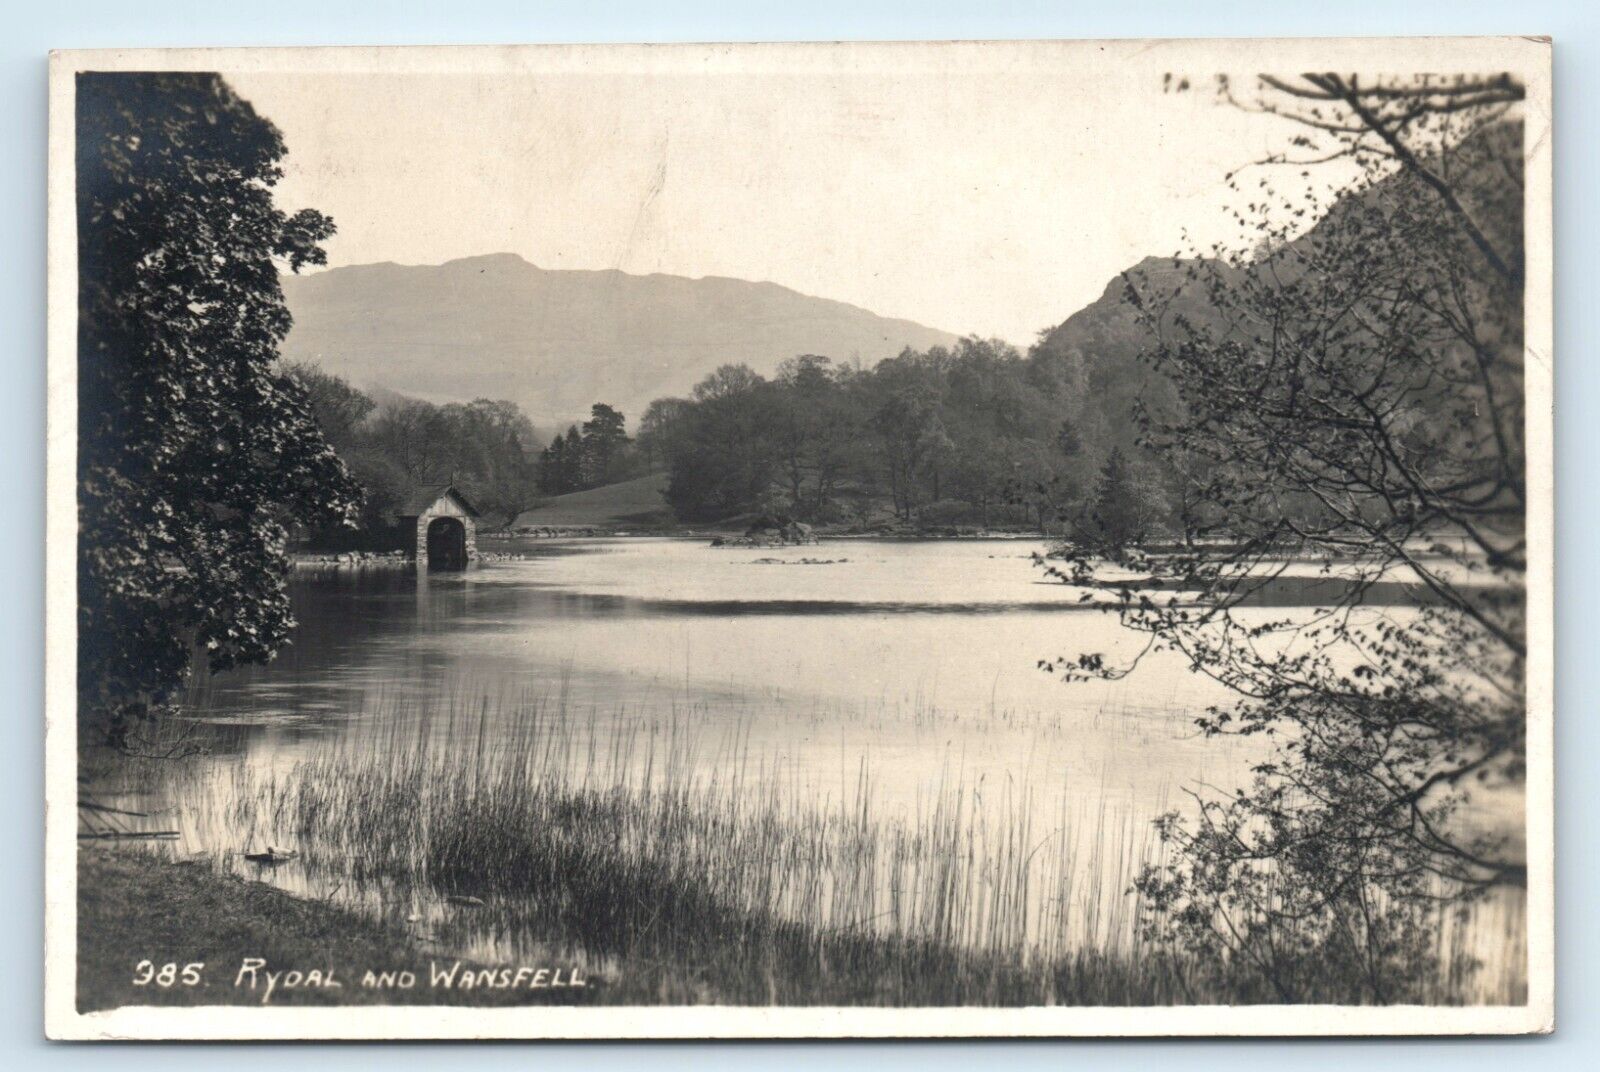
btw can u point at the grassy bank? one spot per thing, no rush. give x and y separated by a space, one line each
134 906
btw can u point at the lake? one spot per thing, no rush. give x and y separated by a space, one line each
914 661
906 672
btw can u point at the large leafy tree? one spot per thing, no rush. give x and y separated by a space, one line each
195 451
491 460
724 464
812 440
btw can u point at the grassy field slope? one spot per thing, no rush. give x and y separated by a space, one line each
630 503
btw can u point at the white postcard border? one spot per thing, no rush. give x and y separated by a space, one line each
1528 57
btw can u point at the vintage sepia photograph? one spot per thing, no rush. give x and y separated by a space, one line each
936 539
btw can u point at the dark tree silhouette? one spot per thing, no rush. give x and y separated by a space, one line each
605 442
1122 511
194 451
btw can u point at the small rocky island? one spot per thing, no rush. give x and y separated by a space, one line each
770 531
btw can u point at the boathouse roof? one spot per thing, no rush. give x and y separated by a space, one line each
422 498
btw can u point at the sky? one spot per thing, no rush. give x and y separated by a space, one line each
979 197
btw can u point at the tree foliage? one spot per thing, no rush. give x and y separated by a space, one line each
485 447
964 435
1350 402
721 464
1123 510
194 452
599 453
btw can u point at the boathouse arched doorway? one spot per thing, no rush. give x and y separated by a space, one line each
444 525
447 544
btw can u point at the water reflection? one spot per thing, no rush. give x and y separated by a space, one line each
912 666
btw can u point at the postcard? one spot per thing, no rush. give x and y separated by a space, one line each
1038 538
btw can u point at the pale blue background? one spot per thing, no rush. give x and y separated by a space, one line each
31 27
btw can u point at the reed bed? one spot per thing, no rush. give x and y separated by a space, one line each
678 869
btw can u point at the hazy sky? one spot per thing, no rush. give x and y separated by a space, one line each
974 197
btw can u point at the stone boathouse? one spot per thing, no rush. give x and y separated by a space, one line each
445 524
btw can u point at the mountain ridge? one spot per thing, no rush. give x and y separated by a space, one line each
555 340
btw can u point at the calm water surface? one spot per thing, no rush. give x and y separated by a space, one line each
906 667
917 659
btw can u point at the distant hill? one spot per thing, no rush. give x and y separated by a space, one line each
556 341
631 502
1091 357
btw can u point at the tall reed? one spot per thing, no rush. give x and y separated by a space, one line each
683 869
